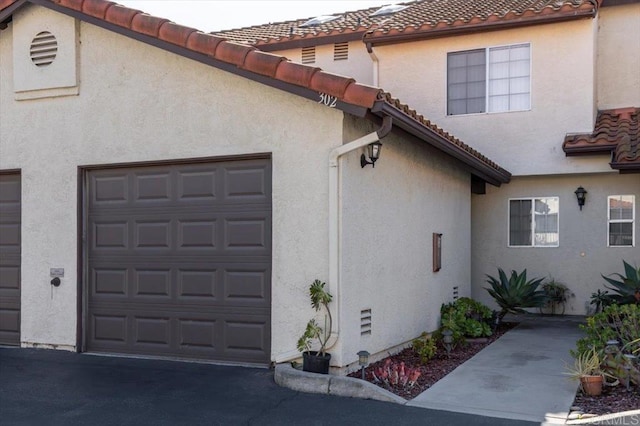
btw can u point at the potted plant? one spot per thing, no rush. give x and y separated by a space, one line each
557 295
317 361
587 369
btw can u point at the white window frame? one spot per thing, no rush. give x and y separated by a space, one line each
533 222
487 51
632 220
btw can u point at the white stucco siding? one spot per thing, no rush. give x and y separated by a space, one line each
618 72
525 142
388 216
138 103
582 254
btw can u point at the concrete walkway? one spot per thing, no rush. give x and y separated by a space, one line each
520 376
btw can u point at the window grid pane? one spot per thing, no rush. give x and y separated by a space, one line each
509 70
466 82
546 222
533 222
520 223
621 212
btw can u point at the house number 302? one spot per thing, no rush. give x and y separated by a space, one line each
328 100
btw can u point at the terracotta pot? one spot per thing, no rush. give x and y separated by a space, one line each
591 385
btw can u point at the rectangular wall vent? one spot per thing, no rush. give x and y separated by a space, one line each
365 322
341 51
455 293
308 55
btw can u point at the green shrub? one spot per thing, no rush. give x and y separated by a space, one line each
627 287
619 322
515 292
425 347
466 318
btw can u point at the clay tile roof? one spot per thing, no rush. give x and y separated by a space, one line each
421 18
280 72
616 131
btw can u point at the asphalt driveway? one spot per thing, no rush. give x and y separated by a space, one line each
54 388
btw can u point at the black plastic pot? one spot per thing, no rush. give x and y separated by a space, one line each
314 363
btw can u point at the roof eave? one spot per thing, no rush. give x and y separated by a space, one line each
625 168
6 14
383 38
587 150
495 177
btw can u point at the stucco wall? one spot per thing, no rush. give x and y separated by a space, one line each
618 61
525 142
582 254
358 66
388 216
139 103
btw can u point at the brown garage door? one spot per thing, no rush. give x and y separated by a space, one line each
179 260
10 200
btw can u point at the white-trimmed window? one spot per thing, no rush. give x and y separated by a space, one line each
533 222
496 79
621 214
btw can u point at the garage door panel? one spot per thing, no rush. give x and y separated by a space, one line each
10 249
197 234
9 279
110 235
152 186
9 235
182 265
152 234
109 282
198 284
197 185
246 184
109 188
152 284
247 287
110 328
154 331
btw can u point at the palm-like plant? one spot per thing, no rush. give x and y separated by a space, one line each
320 298
515 292
628 287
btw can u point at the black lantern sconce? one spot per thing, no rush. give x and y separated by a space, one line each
373 149
581 195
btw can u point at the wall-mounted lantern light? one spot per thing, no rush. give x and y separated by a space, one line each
373 149
581 195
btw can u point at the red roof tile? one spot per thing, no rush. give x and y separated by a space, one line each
421 18
616 131
247 58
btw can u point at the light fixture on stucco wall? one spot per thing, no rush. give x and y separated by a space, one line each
581 195
373 149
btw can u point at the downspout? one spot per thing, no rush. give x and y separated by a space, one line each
335 182
376 64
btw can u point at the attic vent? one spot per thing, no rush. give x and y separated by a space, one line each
44 48
308 55
365 322
388 10
341 51
318 20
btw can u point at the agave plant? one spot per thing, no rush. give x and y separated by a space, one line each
628 287
515 292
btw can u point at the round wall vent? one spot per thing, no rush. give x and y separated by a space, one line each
44 48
